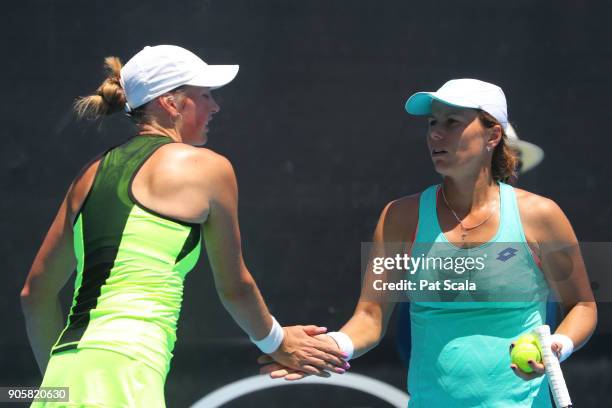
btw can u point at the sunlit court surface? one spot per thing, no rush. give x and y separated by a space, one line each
306 204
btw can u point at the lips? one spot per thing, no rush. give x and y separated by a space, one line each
438 152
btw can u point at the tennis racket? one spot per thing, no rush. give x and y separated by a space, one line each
553 368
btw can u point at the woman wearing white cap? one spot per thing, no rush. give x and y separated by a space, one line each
529 156
460 349
132 223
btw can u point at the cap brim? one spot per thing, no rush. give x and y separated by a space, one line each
215 76
531 155
420 103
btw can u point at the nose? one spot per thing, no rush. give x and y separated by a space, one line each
214 106
434 133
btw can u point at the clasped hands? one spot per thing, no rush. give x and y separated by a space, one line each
305 350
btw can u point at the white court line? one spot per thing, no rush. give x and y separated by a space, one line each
372 386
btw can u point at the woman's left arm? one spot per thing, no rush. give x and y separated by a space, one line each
50 270
566 273
563 266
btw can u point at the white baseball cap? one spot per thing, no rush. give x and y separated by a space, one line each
531 154
156 70
463 93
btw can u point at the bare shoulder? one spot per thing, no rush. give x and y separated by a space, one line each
179 161
400 217
189 157
537 208
403 208
543 219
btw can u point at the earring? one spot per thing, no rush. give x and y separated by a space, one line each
488 148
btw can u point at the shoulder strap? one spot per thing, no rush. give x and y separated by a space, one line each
510 219
120 165
428 228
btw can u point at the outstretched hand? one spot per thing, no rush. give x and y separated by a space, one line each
276 370
305 351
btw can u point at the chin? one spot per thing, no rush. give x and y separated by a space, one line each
440 166
199 140
443 169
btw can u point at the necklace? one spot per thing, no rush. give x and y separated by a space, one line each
464 229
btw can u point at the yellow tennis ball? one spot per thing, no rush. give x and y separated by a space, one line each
526 348
528 338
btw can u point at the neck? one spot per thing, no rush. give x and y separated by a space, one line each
153 128
471 192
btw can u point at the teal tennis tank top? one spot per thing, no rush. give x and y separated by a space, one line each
131 264
460 342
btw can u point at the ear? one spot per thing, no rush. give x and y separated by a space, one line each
168 103
494 136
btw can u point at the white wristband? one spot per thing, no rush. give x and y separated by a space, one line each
344 343
273 340
567 345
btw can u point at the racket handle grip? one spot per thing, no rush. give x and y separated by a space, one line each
553 368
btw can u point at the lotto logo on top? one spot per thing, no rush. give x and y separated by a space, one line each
506 254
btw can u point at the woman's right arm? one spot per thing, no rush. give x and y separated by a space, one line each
235 285
368 324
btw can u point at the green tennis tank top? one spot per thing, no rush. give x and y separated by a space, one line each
460 342
131 264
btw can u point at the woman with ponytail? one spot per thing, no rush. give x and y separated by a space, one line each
109 97
461 337
132 224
